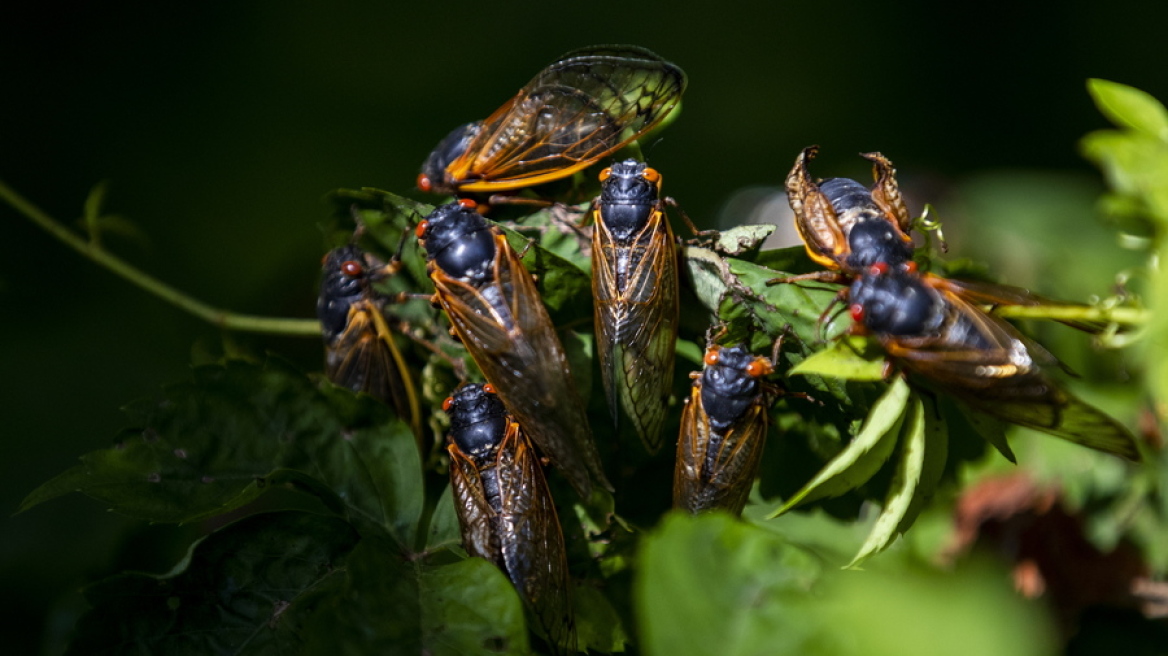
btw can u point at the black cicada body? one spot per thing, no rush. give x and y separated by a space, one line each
723 430
496 310
360 352
587 105
634 282
505 509
928 324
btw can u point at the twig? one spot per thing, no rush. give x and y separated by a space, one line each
215 316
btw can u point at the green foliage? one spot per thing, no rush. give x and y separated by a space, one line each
362 553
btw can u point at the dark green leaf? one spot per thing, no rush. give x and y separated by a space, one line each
471 608
244 589
215 443
444 529
598 626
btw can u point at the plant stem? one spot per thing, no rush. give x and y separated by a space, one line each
215 316
1123 315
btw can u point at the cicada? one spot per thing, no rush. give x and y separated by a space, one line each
505 509
360 352
723 430
634 281
496 310
846 226
587 105
928 324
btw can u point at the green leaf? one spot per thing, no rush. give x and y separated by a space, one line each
469 608
936 456
566 290
903 488
991 429
712 585
243 589
215 443
1129 107
742 239
851 358
444 528
864 455
598 626
372 607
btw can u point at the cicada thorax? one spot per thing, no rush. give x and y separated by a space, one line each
635 285
360 351
496 310
723 431
585 106
846 226
924 323
505 509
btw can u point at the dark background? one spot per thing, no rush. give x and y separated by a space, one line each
221 126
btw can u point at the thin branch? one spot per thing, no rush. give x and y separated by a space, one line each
213 315
1119 315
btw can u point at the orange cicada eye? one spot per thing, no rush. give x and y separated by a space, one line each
489 388
759 368
467 203
421 229
424 183
605 173
857 312
352 268
711 358
651 175
910 266
448 404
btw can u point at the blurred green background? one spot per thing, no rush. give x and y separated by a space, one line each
221 126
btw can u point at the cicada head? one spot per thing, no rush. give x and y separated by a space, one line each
731 382
629 191
347 272
896 302
478 421
433 178
458 240
875 240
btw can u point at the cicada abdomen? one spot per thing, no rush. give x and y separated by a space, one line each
505 509
634 282
723 430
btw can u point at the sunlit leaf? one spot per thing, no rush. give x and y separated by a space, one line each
853 358
242 590
598 625
864 455
1130 107
742 239
903 487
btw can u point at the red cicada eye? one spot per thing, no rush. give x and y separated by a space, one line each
857 312
424 183
448 404
605 173
651 175
711 358
910 267
421 229
352 268
759 368
489 388
467 203
878 269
